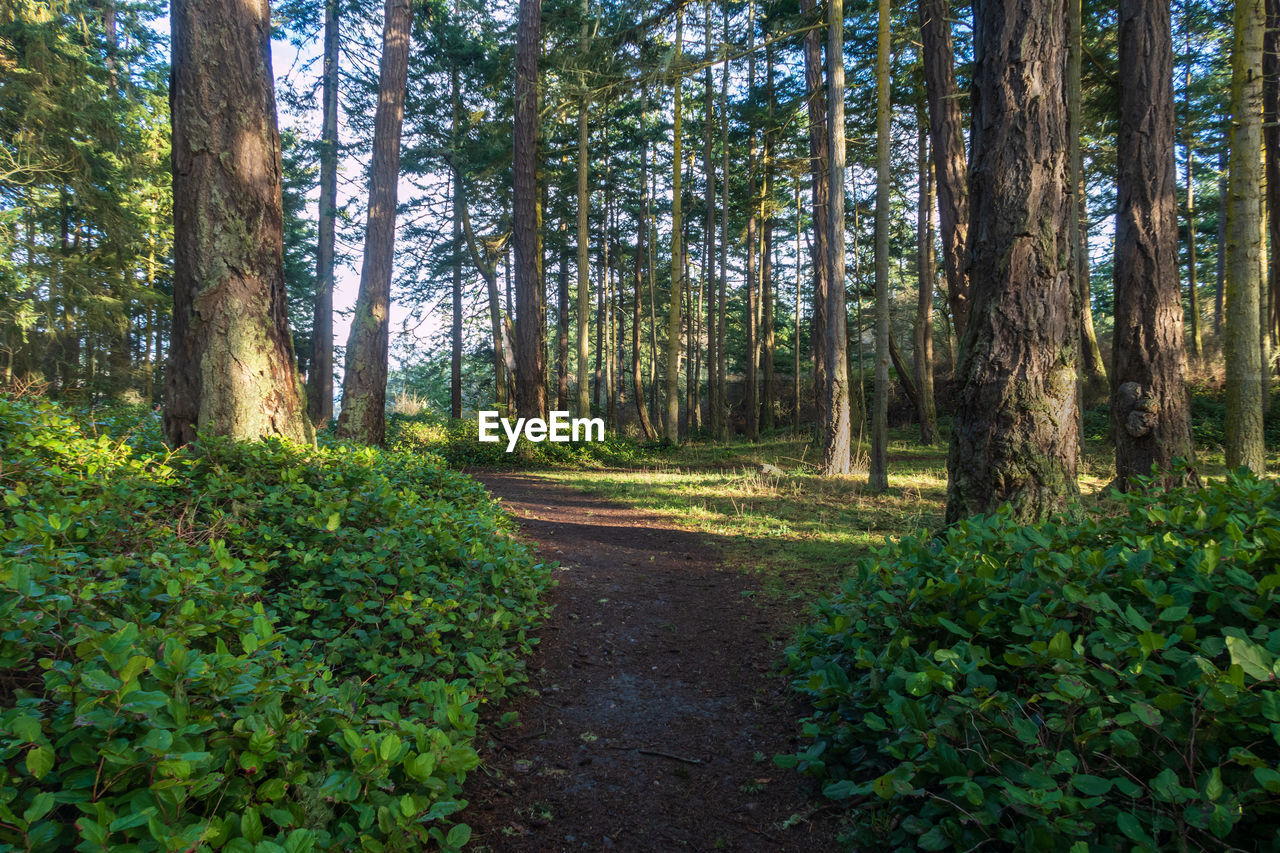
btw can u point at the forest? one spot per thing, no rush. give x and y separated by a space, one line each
935 347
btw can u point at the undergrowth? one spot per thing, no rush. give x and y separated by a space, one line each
1108 683
254 647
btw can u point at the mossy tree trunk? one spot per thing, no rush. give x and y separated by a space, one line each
1093 373
1149 407
364 385
1015 437
584 235
232 370
834 429
1243 285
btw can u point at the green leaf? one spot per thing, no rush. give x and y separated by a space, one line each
1090 785
334 520
41 804
26 728
1252 658
40 761
1060 645
458 836
251 826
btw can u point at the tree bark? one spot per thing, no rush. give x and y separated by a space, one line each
455 337
879 475
671 422
819 166
721 355
320 374
562 327
751 396
947 138
531 387
834 429
1148 365
1015 436
584 235
926 409
1241 345
768 339
1093 373
1270 302
364 384
1193 290
714 407
642 233
232 370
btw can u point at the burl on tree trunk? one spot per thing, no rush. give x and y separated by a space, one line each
1149 405
1015 436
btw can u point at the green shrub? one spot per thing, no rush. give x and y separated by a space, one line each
457 442
1106 684
248 647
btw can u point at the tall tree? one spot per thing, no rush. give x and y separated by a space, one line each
526 225
714 409
232 370
1148 364
947 138
364 384
320 372
584 228
819 164
768 337
879 478
834 429
642 234
751 391
926 408
1093 373
1015 436
671 421
1193 291
1241 345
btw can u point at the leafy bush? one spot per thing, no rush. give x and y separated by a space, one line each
1102 684
457 441
249 647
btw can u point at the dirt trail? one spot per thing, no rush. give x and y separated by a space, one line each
657 714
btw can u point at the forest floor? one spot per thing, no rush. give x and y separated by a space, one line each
656 707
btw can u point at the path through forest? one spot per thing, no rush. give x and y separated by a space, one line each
657 710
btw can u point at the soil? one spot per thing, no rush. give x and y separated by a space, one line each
655 708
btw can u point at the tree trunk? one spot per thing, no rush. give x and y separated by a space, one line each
819 164
1270 302
751 397
879 477
925 407
364 384
671 422
1093 374
320 375
768 340
1220 282
1148 364
721 356
642 233
947 138
531 387
795 378
1193 290
834 428
714 407
584 236
562 327
1015 436
1241 349
232 370
455 337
